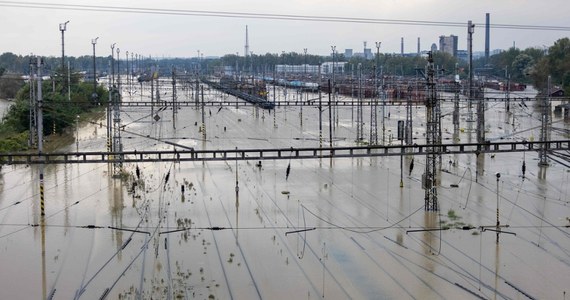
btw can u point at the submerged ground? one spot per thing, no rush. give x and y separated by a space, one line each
180 231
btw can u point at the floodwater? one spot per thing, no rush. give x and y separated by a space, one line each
333 229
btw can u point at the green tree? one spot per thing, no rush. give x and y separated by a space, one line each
521 66
555 64
559 59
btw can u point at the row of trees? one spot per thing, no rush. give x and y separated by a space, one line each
532 65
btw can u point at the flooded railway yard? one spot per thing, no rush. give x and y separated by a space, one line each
341 228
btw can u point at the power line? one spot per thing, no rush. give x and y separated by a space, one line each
268 16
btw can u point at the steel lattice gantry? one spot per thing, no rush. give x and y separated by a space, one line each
190 154
433 137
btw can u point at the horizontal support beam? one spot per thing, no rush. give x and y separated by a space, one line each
312 103
275 153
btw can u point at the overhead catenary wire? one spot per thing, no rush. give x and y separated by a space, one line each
268 16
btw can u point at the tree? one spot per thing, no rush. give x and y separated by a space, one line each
9 86
556 64
559 59
521 66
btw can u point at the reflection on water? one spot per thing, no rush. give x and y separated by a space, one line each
44 277
116 207
431 238
497 264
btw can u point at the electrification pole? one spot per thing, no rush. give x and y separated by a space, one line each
457 87
304 91
40 123
359 107
333 90
374 108
128 85
113 64
111 96
545 105
94 96
118 70
470 31
32 104
173 97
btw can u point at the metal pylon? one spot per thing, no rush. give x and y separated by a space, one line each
478 94
456 113
117 143
374 112
408 125
433 137
544 127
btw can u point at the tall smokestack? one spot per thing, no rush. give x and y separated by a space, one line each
487 35
402 47
419 46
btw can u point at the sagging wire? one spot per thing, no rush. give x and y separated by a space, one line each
302 253
362 231
470 185
529 212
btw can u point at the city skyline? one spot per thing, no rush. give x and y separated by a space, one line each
186 29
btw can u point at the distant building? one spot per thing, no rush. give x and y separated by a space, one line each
297 69
349 53
327 67
448 44
433 47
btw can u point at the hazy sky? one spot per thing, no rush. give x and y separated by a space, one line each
27 30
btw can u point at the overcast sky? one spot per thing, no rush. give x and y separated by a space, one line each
28 30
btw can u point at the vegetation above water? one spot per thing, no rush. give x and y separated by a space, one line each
59 113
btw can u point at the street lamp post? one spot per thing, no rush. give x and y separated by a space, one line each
94 95
62 28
